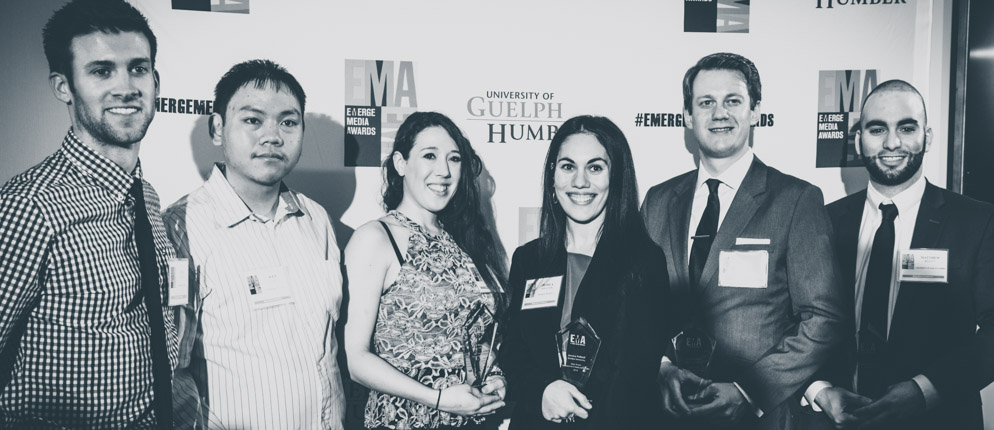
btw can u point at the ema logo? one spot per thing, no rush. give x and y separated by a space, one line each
716 16
379 95
229 6
828 4
840 97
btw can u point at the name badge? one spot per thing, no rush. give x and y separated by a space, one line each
179 281
925 265
268 287
542 293
481 285
743 269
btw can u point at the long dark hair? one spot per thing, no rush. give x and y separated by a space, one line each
621 212
463 217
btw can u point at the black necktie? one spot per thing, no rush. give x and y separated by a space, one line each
876 297
706 231
151 290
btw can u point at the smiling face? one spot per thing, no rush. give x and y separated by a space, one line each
261 135
721 116
113 88
582 178
431 171
893 138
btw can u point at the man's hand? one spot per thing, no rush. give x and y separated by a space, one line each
838 404
725 403
902 401
674 382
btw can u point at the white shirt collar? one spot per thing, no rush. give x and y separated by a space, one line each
905 200
733 175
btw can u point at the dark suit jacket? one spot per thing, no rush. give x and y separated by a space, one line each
623 295
770 341
934 330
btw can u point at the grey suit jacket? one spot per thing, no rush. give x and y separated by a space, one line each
770 341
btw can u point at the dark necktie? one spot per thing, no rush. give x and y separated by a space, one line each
876 297
706 231
151 290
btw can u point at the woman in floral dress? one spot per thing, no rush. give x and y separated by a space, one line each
414 275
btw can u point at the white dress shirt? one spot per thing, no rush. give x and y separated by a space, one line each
272 367
907 202
731 179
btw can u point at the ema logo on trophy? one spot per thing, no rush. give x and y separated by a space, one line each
379 96
227 6
840 98
716 16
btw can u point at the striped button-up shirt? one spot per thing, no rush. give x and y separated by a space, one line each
73 326
245 366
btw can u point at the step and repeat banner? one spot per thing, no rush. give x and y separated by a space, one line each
509 73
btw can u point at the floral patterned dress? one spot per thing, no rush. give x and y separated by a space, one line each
419 327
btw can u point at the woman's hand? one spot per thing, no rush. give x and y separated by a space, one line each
495 384
463 399
562 401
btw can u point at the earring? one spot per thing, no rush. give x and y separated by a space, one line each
554 200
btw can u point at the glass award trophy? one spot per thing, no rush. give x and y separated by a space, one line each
480 343
578 346
692 350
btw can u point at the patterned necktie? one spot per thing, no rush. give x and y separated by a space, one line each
706 231
876 298
151 290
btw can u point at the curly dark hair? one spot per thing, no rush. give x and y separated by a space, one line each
463 217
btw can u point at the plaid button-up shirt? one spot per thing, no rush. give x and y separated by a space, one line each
70 282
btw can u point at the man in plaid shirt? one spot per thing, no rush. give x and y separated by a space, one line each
86 341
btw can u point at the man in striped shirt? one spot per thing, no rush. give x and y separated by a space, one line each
86 340
258 347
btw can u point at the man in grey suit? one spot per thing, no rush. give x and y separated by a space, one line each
750 250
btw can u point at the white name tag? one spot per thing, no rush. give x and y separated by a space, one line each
542 293
481 285
751 241
743 269
179 281
268 287
925 265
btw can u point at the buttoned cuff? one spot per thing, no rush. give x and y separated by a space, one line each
931 395
812 393
755 409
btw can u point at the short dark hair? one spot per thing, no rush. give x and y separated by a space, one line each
621 209
724 61
261 73
895 85
82 17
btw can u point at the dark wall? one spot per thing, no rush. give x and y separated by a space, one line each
978 145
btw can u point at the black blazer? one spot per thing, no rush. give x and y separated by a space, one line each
942 331
624 297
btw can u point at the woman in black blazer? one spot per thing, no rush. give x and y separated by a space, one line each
594 260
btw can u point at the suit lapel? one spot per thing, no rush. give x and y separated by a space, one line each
594 287
847 236
928 225
680 228
740 212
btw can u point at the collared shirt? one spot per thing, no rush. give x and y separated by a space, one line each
731 179
70 276
908 202
243 367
